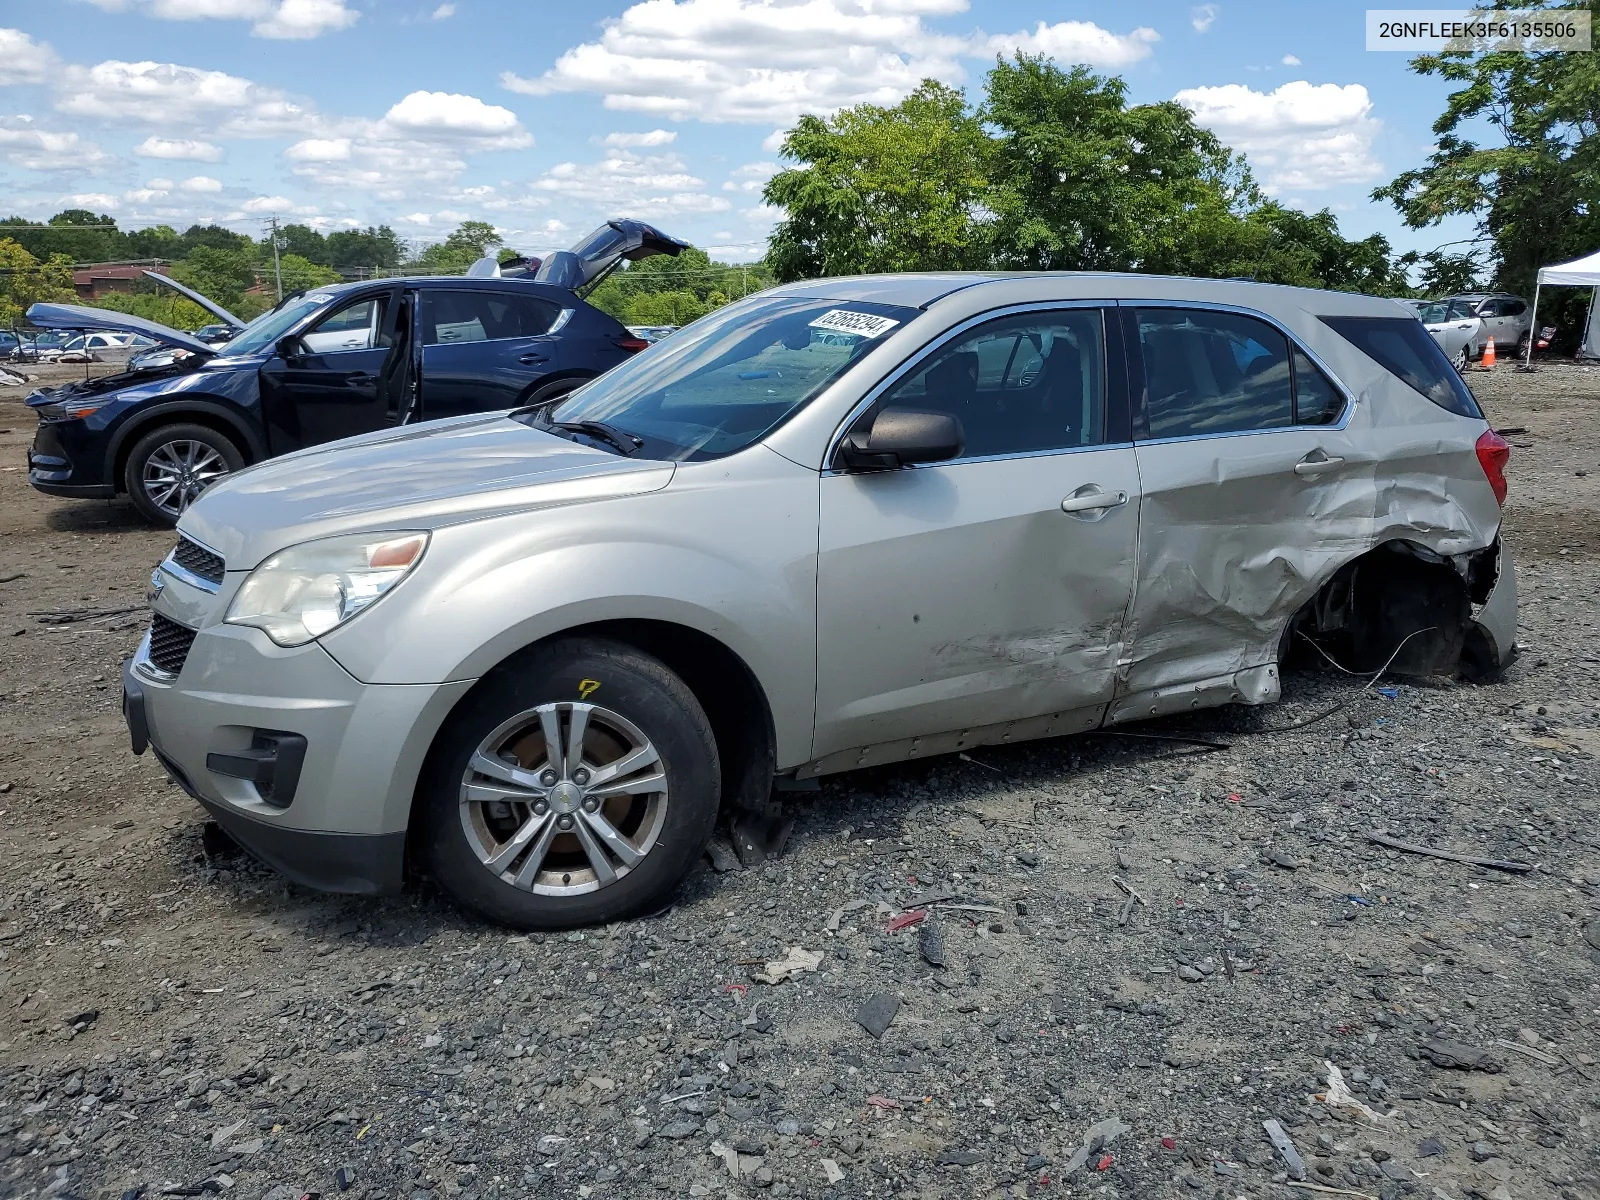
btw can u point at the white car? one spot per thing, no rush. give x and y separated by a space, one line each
1454 325
94 347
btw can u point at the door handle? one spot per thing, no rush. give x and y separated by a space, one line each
1089 498
1317 462
532 358
360 379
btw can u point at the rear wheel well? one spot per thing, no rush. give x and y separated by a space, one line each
211 421
1399 605
733 699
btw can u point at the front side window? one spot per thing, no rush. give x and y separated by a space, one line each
1029 383
450 316
1212 372
354 326
1412 355
723 382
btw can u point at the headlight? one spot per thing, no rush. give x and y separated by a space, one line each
300 593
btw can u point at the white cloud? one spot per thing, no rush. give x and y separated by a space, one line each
144 195
760 61
623 183
751 177
91 200
160 185
1203 16
168 94
267 204
296 19
1077 42
773 142
26 145
1290 60
320 150
201 183
1300 136
23 60
444 12
191 149
427 114
656 137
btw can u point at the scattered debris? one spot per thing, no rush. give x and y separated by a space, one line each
722 857
930 942
1458 1056
831 1171
906 919
878 1013
1549 1060
1339 1095
1498 864
795 961
1100 1135
1284 1145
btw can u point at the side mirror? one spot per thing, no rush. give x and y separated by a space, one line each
902 436
290 348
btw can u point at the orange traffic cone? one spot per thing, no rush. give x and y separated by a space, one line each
1488 355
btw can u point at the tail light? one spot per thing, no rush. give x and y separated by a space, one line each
632 344
1493 454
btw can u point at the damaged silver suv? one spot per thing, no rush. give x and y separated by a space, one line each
837 524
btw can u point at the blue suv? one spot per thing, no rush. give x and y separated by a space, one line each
327 364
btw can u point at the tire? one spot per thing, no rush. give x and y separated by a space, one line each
170 466
1461 360
545 873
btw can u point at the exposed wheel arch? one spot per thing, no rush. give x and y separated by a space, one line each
727 689
548 390
1399 605
188 412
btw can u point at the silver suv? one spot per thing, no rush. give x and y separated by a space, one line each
837 524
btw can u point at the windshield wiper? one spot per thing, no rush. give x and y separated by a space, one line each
627 444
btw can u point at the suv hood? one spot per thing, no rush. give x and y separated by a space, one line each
413 477
205 302
75 316
597 255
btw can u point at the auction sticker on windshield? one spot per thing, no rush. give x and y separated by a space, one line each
865 325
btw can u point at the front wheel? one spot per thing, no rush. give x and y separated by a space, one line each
1461 359
168 469
576 787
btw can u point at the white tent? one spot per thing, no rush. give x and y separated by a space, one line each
1580 272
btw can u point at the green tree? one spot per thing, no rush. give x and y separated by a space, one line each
214 237
221 275
165 307
301 275
300 240
883 189
78 234
470 242
375 248
158 241
1443 274
663 308
1518 150
24 280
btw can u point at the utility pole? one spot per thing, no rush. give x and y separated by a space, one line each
277 269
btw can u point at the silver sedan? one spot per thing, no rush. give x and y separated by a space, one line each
836 524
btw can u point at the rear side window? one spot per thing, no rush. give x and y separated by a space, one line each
1405 349
1316 400
449 317
1213 372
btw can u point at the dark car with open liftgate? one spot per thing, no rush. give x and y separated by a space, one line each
328 364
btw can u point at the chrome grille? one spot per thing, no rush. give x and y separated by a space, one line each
197 560
169 644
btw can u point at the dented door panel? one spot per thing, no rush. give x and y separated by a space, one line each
963 595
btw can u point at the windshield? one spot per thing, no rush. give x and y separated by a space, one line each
722 383
266 329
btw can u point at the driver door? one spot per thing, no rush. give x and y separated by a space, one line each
993 587
333 383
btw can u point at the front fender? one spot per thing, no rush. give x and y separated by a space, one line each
181 407
727 549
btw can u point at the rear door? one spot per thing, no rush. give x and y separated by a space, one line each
1242 453
992 588
482 349
336 383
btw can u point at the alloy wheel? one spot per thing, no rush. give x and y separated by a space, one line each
178 471
563 799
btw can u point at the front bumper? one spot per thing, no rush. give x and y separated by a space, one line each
240 712
57 458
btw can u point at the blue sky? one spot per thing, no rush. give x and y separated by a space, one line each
546 118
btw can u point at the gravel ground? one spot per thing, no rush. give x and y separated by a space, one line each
174 1018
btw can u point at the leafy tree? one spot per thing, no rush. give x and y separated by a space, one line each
24 280
81 216
301 275
222 275
299 240
663 308
158 241
1306 249
375 247
470 242
1533 183
884 189
214 237
76 233
1442 274
165 307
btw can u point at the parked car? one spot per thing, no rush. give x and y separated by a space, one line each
1453 324
332 363
1505 318
216 335
98 345
651 333
16 347
836 524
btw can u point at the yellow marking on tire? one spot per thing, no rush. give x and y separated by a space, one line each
587 688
